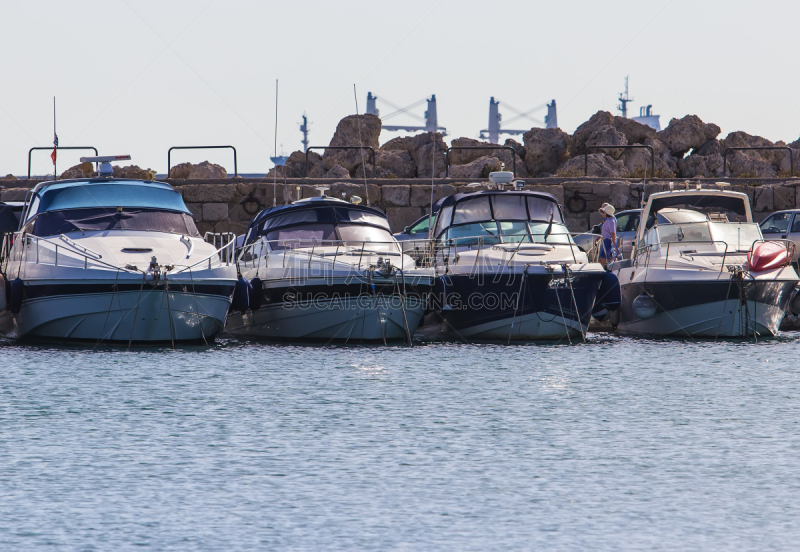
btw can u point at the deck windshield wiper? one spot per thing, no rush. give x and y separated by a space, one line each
549 228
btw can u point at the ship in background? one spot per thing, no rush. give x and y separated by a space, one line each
646 115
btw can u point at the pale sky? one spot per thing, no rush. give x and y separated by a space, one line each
136 77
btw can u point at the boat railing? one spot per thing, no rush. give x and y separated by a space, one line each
688 250
421 250
447 251
224 253
253 255
25 247
220 240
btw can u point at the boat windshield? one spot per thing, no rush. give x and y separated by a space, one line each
480 212
329 234
109 194
737 236
494 232
53 223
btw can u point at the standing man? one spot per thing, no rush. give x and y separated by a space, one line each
608 233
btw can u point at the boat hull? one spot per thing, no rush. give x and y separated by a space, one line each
717 308
516 307
343 319
122 313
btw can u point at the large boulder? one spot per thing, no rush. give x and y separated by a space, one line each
401 143
746 165
426 149
545 149
397 163
690 132
606 135
134 172
638 160
578 142
81 170
337 171
519 149
705 161
204 170
463 157
599 164
756 163
296 164
635 132
353 130
479 168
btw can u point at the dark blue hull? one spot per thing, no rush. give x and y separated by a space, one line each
517 306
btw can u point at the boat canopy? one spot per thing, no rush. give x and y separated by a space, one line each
732 202
107 193
104 205
682 205
329 211
496 205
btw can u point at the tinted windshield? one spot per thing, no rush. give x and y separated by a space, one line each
53 223
110 194
497 207
492 232
328 234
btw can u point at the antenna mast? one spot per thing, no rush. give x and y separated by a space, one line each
304 130
624 99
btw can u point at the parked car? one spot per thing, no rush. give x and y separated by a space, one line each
783 225
627 225
413 238
417 230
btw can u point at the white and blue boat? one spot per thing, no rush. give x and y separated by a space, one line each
115 260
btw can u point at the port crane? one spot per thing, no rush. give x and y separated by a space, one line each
495 130
430 119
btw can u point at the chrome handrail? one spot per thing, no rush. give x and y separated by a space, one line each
347 247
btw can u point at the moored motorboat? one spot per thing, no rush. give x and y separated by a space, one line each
508 269
701 268
115 260
323 269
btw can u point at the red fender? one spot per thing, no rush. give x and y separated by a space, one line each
768 256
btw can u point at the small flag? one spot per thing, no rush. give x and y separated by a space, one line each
55 145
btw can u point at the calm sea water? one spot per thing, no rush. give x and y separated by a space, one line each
621 444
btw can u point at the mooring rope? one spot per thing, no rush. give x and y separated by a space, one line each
197 309
402 306
136 313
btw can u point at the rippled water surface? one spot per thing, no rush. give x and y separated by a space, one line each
618 444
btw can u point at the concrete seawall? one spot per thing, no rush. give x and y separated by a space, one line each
229 204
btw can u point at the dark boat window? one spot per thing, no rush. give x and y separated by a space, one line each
541 209
514 232
444 218
360 217
53 223
509 207
301 236
472 210
356 234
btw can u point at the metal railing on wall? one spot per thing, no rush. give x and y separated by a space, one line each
47 148
447 155
169 155
370 148
743 148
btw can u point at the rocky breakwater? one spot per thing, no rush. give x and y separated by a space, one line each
686 148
